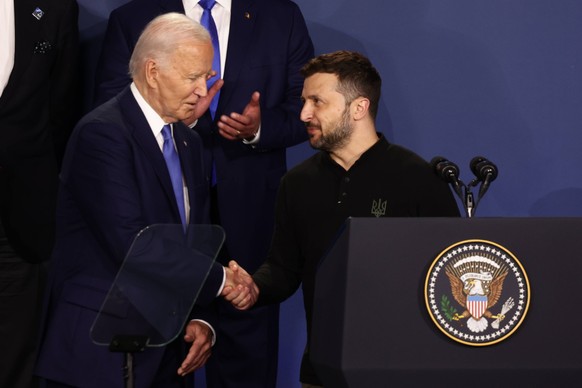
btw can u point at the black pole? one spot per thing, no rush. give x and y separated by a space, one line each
128 344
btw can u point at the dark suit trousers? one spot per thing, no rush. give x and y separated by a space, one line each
246 351
21 288
166 377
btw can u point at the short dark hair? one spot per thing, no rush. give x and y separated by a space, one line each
356 75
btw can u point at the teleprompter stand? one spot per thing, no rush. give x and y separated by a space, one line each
155 289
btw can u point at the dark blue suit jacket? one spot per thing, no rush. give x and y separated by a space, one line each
268 44
114 182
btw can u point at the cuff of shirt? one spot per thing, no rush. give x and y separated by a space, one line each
223 282
211 328
255 139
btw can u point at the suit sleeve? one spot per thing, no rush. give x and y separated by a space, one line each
280 124
112 74
280 276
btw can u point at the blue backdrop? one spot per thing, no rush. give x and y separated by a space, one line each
498 78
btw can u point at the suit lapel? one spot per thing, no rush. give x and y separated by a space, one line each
242 21
141 132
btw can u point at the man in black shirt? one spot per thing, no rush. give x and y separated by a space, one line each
358 173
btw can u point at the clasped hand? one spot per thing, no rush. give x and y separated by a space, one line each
240 289
242 292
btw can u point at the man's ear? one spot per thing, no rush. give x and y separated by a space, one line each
152 73
361 105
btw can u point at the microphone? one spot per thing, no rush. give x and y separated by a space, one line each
447 171
485 171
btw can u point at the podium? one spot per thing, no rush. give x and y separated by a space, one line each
371 326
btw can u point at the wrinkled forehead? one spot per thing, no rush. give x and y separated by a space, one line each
192 57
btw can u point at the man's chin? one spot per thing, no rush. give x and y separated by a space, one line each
314 143
187 115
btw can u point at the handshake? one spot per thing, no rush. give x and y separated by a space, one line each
240 288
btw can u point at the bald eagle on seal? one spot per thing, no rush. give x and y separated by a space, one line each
476 293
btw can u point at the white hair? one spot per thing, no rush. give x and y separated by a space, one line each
162 36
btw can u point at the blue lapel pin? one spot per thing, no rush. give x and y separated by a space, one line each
38 13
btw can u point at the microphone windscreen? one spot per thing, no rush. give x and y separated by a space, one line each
483 168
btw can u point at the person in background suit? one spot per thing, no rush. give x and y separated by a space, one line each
115 182
38 90
263 44
355 168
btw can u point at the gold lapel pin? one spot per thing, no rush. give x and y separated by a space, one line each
247 16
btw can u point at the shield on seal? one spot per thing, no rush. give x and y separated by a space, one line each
477 305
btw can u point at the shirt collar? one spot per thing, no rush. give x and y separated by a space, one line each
154 120
189 4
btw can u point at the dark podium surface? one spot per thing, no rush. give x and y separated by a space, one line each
371 327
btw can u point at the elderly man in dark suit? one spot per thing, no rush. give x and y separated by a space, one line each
38 63
263 44
118 177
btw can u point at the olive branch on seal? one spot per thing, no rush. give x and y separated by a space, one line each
448 310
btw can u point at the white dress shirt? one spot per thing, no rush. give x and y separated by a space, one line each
7 41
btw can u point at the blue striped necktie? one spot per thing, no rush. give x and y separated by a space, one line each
175 170
208 22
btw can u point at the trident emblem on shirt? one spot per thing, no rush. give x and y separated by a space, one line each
379 207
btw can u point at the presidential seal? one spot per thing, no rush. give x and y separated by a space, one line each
477 292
